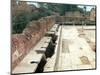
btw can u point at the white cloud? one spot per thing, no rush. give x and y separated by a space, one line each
88 8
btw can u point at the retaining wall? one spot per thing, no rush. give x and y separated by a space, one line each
24 42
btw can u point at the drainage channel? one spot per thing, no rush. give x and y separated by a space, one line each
58 52
50 51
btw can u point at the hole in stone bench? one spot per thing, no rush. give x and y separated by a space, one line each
46 42
43 47
52 31
40 51
32 62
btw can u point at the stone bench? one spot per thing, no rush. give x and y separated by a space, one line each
50 65
30 63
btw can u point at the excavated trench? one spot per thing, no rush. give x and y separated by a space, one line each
48 54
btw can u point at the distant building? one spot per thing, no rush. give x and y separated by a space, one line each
23 7
20 7
89 16
73 14
13 6
93 14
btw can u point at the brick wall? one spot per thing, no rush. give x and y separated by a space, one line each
22 43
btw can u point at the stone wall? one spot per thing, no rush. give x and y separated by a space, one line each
69 19
74 20
24 42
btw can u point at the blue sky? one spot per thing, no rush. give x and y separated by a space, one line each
88 8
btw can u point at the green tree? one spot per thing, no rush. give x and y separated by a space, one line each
19 22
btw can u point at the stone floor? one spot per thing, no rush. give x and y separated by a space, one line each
75 52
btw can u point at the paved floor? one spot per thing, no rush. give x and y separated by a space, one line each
75 52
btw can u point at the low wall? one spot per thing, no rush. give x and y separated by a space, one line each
75 20
68 19
24 42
